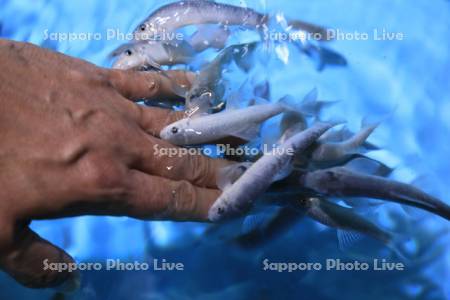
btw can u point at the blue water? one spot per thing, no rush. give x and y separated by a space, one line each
409 78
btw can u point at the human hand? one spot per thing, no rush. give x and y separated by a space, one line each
73 144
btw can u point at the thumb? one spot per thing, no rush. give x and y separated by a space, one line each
23 259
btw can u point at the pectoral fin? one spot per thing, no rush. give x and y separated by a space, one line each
347 239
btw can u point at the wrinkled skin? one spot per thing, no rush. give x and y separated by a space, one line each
73 144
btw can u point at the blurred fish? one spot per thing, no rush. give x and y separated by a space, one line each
322 55
207 80
262 90
163 22
239 196
172 16
337 136
311 105
368 166
152 55
260 228
339 217
342 182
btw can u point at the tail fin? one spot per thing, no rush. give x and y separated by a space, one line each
309 106
323 56
317 30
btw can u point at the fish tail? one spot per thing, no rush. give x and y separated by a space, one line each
320 32
353 144
289 103
323 56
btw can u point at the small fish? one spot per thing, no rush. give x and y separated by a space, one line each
262 90
335 151
369 166
262 227
173 16
208 78
339 217
238 197
322 55
342 182
152 54
244 123
163 22
337 136
312 28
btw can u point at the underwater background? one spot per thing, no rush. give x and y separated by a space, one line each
409 77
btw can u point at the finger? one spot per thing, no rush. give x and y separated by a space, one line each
153 119
160 198
161 158
28 259
136 85
149 197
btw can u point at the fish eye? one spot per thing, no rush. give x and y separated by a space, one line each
174 130
128 52
143 27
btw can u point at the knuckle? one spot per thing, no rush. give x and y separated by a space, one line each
98 116
102 76
182 203
200 168
115 78
102 174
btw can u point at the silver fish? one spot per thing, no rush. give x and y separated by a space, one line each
170 17
152 54
263 227
336 216
342 182
205 85
173 16
243 123
239 196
